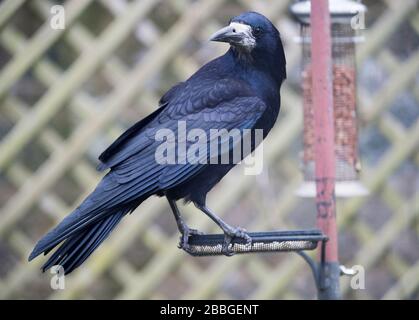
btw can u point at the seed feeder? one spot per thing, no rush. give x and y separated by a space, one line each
344 37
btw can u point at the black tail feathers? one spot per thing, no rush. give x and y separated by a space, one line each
78 246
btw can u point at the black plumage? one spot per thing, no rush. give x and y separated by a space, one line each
239 89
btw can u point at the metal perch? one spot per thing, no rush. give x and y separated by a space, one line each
272 241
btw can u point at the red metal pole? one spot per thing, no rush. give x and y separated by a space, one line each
321 51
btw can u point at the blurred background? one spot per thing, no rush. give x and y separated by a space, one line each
65 95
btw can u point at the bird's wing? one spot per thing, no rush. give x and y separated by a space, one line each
147 168
138 170
180 102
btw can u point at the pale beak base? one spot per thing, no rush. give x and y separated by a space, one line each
237 34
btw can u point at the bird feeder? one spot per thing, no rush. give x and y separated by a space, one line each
343 14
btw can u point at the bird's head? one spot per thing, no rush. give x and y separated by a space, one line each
248 31
253 36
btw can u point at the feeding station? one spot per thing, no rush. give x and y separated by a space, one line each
344 37
330 141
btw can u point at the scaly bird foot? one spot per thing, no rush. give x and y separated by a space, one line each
184 237
229 235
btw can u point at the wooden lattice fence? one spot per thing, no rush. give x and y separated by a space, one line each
66 94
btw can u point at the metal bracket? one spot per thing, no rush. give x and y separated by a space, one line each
326 274
316 269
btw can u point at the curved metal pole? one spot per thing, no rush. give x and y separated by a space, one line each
313 266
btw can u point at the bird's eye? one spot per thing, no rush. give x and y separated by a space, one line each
257 31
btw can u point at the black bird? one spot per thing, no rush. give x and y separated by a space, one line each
239 89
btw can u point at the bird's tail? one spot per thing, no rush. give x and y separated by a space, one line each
83 230
78 246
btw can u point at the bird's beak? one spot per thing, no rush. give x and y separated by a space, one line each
235 34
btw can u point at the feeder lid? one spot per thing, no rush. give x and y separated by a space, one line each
339 9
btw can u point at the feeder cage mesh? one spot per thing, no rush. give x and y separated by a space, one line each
344 103
270 241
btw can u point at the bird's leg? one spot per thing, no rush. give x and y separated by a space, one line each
185 231
229 231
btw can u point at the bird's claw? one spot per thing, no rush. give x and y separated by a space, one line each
184 237
229 235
